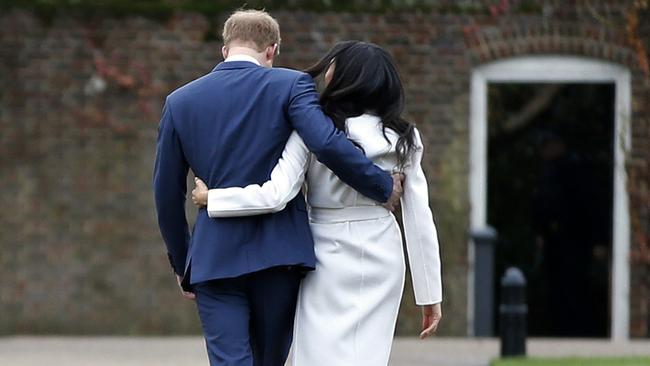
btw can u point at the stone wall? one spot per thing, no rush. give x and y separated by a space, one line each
80 100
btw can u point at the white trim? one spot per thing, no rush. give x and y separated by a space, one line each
556 69
621 230
477 179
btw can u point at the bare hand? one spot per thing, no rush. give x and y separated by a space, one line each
200 193
431 315
186 294
398 191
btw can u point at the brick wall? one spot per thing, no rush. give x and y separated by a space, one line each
80 98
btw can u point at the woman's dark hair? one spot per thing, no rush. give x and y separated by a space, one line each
365 80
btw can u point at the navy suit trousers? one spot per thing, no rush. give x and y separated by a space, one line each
248 320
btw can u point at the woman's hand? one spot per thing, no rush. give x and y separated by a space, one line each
200 193
431 315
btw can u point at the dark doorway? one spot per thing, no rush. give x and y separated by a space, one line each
550 194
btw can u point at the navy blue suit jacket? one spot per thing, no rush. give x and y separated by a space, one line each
230 127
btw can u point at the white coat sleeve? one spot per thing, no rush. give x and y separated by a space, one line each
286 180
420 232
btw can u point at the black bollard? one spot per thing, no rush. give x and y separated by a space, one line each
513 311
484 243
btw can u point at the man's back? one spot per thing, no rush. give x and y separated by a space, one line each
232 127
232 122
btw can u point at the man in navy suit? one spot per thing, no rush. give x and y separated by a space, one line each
230 127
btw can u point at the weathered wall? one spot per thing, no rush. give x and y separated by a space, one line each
79 104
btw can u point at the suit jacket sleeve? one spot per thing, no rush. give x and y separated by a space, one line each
170 189
420 232
286 180
332 146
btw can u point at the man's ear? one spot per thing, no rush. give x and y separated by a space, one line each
224 52
271 52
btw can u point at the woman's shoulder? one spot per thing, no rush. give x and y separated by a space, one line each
417 138
363 118
371 123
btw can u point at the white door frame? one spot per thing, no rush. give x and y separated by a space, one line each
556 69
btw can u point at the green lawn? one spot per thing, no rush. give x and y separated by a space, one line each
574 361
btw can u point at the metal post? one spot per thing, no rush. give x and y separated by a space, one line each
484 242
513 312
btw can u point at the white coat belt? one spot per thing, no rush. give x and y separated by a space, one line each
352 213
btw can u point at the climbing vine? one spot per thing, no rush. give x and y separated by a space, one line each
165 8
638 172
632 28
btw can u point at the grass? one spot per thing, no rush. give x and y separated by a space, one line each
574 361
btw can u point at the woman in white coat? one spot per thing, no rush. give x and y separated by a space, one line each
347 308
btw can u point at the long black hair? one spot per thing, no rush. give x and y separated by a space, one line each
365 80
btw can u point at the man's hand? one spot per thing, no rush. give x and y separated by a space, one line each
200 193
431 315
398 191
186 294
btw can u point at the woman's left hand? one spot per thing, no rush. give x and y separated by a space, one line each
200 193
431 315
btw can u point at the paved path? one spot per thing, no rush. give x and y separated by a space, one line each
189 351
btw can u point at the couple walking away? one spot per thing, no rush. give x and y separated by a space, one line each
267 269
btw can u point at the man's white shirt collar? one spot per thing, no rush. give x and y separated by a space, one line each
242 58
